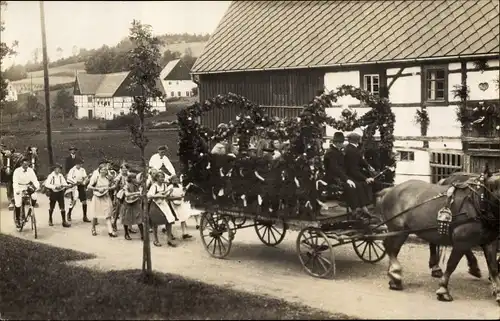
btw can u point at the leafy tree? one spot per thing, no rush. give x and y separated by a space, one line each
188 58
5 51
64 104
145 68
15 72
169 56
34 108
36 56
59 52
106 60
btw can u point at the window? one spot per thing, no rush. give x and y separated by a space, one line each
172 94
406 156
179 93
371 83
122 113
187 93
176 82
435 84
89 99
169 82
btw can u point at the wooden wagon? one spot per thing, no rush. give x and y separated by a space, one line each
315 243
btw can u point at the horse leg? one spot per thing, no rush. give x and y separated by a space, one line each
393 245
443 294
490 253
436 271
474 269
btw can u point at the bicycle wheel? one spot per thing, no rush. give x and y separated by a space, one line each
33 222
22 221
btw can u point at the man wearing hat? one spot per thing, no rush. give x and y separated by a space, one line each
71 159
335 169
355 169
160 161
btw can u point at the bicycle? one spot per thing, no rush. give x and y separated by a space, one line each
27 212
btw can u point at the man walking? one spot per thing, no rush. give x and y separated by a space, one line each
72 159
160 161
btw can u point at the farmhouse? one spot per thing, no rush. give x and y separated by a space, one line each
11 92
106 96
176 79
413 52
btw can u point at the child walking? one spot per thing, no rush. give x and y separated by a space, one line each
77 176
101 205
120 182
180 208
56 184
159 210
131 208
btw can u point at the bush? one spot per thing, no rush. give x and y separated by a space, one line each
121 122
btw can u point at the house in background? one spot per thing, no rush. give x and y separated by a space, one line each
107 96
418 49
176 79
11 92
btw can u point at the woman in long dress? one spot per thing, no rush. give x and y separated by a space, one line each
101 205
181 209
159 210
130 211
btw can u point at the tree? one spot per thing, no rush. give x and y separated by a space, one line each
36 56
59 52
169 56
144 65
5 51
34 108
75 51
15 72
64 104
188 58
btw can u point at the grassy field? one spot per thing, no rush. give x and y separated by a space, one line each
36 284
93 146
61 70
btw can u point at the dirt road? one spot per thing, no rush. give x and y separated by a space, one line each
360 289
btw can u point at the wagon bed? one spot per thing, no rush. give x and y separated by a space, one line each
315 242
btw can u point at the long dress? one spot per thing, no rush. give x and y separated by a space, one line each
159 209
131 212
101 206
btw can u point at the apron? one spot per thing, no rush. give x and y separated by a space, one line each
160 207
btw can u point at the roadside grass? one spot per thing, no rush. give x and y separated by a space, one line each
36 283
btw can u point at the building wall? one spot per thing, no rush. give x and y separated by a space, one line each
108 107
406 96
178 88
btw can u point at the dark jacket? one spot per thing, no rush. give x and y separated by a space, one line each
334 163
355 164
70 162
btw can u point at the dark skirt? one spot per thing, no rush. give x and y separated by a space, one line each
156 216
361 195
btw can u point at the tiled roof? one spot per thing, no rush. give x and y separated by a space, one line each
256 35
110 83
168 68
88 83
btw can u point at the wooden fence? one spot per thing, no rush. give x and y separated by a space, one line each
443 164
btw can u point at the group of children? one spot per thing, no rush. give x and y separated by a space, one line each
118 196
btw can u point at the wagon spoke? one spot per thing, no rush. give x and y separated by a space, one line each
324 259
225 239
364 249
211 241
370 251
219 246
215 246
274 237
222 246
321 263
379 247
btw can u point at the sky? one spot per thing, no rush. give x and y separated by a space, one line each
91 24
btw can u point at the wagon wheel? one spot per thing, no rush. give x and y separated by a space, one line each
216 234
316 253
269 233
370 251
239 221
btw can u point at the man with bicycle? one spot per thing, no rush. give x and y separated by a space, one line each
24 179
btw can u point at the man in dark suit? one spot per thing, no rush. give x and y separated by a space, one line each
335 170
356 167
71 159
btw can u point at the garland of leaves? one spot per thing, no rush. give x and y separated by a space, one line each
293 184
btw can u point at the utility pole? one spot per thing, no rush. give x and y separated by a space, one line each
46 86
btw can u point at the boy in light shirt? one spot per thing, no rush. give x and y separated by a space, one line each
77 176
56 184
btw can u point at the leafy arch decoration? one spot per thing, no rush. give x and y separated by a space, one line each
303 162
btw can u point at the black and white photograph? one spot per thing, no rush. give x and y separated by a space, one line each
250 160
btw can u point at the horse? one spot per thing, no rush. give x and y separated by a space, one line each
436 271
13 160
414 207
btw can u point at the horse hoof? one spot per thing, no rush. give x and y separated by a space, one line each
444 297
437 274
475 272
395 285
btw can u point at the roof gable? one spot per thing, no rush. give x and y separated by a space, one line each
175 70
110 84
257 35
87 84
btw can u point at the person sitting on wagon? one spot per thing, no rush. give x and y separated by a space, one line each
22 178
160 161
355 166
335 169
